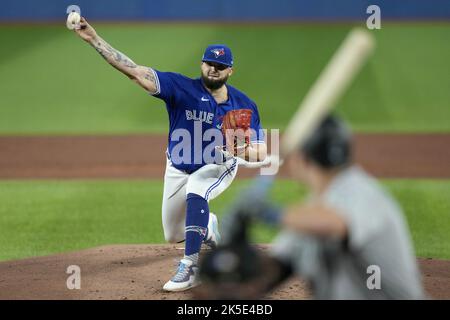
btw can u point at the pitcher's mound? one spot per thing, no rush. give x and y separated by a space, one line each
137 272
108 272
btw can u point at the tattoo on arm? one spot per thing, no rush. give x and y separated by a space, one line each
143 76
113 56
151 85
150 76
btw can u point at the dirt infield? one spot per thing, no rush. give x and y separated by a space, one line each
138 272
142 156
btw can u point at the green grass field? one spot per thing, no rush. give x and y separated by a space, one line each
53 83
44 217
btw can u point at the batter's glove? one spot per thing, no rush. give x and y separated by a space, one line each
236 130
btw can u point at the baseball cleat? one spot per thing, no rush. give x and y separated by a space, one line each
213 237
185 278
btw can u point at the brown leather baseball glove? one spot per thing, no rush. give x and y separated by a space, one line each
236 130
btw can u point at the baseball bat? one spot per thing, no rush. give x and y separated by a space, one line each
323 96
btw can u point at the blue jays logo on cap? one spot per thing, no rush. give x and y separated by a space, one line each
218 53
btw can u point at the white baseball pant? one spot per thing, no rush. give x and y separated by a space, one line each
208 182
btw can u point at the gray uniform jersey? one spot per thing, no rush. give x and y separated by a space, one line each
377 236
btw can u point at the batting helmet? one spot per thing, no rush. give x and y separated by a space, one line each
329 146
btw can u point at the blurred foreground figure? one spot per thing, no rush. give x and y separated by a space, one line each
349 241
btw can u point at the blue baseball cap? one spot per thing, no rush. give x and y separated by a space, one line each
218 53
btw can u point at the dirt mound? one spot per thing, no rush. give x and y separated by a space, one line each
139 272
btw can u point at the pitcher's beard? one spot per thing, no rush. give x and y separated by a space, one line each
214 84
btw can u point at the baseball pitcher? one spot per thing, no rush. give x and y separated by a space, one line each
211 124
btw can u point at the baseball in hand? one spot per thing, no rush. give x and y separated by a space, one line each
73 20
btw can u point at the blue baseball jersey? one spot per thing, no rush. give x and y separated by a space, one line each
195 119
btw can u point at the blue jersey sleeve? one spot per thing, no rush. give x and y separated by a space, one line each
167 84
257 130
